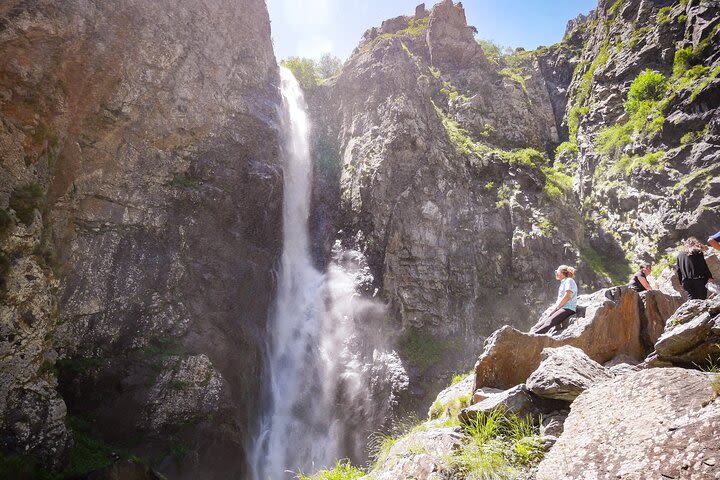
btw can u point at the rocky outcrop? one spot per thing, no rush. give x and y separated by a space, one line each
692 335
564 373
610 326
142 190
422 454
656 423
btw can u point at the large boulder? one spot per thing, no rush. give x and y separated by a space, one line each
611 325
692 335
565 373
655 423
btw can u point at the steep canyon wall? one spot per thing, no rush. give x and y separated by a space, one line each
141 193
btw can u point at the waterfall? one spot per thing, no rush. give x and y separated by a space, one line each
296 428
325 370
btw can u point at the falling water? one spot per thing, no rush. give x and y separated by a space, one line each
296 434
324 373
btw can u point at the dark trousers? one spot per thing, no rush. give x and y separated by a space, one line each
544 325
695 287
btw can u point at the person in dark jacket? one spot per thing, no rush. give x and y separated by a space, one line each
692 270
639 281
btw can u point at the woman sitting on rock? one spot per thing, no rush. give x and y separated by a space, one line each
566 303
692 270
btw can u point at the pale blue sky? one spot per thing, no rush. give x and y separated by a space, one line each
310 28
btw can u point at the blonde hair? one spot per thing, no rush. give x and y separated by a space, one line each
567 271
692 246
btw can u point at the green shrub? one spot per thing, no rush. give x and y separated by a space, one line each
487 455
663 15
547 229
436 410
328 66
649 86
460 377
579 109
611 140
25 200
525 157
686 57
645 107
558 184
570 147
343 470
515 74
494 51
682 60
503 196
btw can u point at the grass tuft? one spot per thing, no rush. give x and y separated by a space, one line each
343 470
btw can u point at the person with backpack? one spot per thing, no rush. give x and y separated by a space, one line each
566 304
692 270
639 281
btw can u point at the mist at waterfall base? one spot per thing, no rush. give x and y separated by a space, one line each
331 380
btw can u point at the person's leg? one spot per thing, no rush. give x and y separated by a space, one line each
553 320
695 288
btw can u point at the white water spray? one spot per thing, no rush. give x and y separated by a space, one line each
321 401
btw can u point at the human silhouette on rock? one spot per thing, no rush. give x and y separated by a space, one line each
566 304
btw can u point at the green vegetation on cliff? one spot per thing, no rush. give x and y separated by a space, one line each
644 108
311 73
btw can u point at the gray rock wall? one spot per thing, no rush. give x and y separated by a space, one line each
148 130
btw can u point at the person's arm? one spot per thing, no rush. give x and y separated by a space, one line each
714 241
563 300
644 282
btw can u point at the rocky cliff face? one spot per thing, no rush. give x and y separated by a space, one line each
643 129
141 202
467 177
